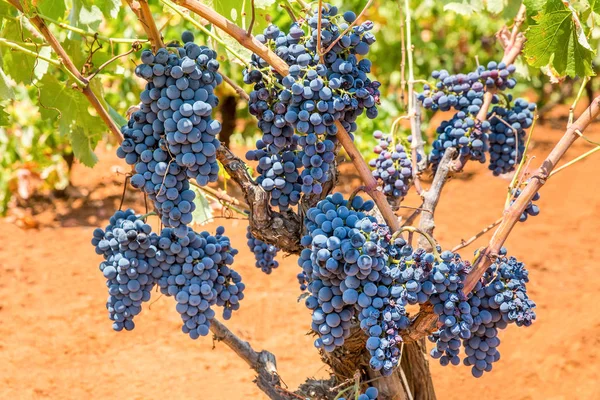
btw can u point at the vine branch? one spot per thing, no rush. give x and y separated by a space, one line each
262 362
141 9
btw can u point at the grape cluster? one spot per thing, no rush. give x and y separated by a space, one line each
198 276
264 253
194 269
341 261
499 299
531 209
278 175
355 270
464 133
464 93
297 113
172 137
451 307
497 75
370 394
392 167
127 249
507 133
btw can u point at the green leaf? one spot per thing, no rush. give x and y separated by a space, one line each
54 9
557 41
84 16
5 9
495 6
263 4
464 8
83 147
240 12
118 118
75 121
4 117
534 7
6 91
23 68
203 213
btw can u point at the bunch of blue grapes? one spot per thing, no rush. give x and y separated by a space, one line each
197 273
507 133
172 137
392 167
451 307
499 299
341 262
370 394
464 133
128 250
297 113
531 209
279 175
404 281
264 253
464 93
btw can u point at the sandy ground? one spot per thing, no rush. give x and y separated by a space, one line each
56 341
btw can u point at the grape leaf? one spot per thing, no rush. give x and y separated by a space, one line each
203 213
23 68
84 17
4 117
495 6
83 146
5 9
464 8
557 40
109 8
54 9
75 120
6 91
534 6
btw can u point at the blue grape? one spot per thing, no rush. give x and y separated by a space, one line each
264 253
531 209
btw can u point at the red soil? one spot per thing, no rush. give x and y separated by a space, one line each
56 341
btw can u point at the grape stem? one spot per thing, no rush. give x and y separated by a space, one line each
253 18
513 183
584 82
144 216
235 87
201 27
322 53
141 9
287 6
465 243
425 235
41 26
